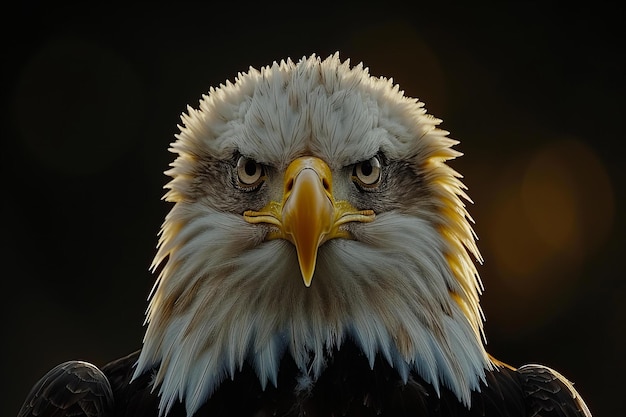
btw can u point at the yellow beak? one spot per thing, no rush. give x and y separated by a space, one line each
308 215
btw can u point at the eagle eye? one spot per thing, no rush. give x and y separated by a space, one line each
367 174
250 174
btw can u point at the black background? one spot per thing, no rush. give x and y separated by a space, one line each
534 92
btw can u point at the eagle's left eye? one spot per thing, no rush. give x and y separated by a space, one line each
367 174
250 174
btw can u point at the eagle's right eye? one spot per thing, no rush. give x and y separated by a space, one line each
250 174
367 174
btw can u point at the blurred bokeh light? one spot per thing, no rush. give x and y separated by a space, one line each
549 212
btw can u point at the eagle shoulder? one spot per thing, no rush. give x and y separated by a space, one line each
548 393
72 388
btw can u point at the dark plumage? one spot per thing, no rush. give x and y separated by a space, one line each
347 388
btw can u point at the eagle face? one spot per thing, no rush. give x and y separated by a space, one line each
312 205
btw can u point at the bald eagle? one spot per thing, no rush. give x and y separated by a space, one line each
318 260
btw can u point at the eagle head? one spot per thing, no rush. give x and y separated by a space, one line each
312 204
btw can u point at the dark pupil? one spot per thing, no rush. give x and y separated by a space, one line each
366 168
250 168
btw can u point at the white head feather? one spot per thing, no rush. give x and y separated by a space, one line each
406 287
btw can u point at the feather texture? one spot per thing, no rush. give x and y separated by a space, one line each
406 287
